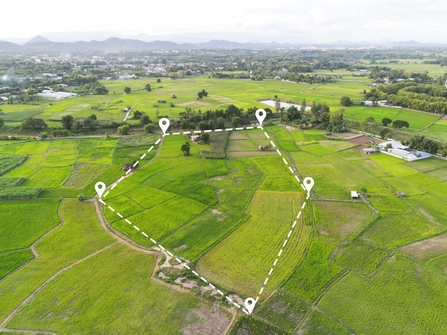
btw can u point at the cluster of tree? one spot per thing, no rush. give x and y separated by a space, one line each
89 123
220 75
309 79
34 124
213 119
420 142
429 98
319 116
380 73
396 123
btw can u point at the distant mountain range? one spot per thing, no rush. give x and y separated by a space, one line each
114 43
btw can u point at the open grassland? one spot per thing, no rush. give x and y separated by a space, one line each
248 325
319 323
8 163
78 237
430 207
202 232
315 273
388 203
23 222
238 263
392 230
161 220
336 221
284 309
11 260
19 116
427 249
361 258
378 113
401 297
436 131
112 288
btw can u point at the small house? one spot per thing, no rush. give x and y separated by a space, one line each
195 138
369 151
354 195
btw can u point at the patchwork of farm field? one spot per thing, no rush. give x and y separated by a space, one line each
368 266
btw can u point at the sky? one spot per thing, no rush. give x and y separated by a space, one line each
316 21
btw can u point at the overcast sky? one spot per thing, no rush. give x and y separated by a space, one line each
236 20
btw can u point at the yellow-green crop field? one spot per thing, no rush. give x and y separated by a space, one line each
69 264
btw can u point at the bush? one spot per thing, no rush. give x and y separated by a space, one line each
81 197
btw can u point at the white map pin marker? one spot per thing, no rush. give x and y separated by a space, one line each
100 187
260 115
250 304
164 124
308 183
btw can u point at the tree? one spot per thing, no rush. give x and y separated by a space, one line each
32 123
100 90
158 80
293 113
203 125
89 124
144 119
336 121
67 122
277 106
232 110
220 124
2 122
148 87
137 114
93 117
365 122
443 150
150 128
400 123
345 101
204 137
384 133
185 148
236 121
303 106
127 89
124 129
386 121
200 95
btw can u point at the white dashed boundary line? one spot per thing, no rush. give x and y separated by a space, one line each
183 263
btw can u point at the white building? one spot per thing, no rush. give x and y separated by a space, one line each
397 149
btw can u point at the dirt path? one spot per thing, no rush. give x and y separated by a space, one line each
128 113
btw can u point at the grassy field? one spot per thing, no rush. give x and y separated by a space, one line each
239 264
403 296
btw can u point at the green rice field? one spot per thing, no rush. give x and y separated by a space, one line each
71 265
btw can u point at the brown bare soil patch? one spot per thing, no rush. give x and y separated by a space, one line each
250 153
237 135
428 248
195 102
205 321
